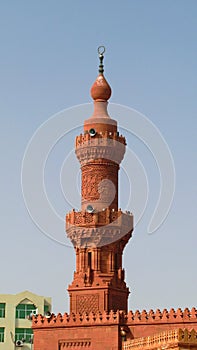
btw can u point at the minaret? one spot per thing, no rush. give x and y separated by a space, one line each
99 231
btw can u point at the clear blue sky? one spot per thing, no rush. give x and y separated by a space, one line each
48 62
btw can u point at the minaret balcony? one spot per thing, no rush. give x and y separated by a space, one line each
98 228
109 146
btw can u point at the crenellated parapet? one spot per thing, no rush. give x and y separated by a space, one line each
96 219
118 317
164 316
72 320
105 145
99 138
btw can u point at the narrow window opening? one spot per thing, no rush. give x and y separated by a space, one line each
90 260
116 261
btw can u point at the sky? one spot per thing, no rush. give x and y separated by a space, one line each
48 63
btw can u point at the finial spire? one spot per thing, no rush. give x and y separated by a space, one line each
100 90
101 50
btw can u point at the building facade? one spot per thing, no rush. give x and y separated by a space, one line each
98 317
15 318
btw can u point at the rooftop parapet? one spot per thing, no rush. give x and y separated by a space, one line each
72 320
118 317
164 316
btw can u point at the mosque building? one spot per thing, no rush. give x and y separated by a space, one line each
99 318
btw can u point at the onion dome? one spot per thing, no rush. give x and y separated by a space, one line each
100 90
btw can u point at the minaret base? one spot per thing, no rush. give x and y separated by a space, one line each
98 299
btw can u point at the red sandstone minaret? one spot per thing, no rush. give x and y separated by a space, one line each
99 231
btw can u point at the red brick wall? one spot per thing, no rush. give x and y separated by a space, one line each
143 330
89 338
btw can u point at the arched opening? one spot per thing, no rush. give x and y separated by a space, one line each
25 308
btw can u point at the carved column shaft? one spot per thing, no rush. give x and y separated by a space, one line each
100 185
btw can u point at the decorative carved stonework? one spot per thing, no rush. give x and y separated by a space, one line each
99 186
94 174
170 339
98 229
88 303
88 149
74 343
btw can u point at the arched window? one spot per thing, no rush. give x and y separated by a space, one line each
25 308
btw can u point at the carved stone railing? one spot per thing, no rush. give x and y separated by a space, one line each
99 228
102 218
109 146
159 340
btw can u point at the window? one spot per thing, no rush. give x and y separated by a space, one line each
90 260
46 308
24 310
2 309
2 334
25 334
